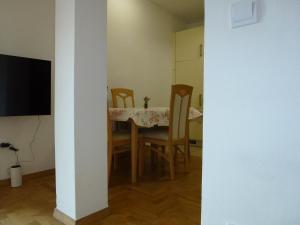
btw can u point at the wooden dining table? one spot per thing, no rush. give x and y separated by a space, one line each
144 118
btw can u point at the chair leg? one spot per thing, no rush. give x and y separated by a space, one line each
162 160
116 161
186 156
141 158
110 157
171 162
189 150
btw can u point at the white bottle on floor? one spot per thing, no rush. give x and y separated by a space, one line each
16 176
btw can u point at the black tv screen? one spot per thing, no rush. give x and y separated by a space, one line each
25 86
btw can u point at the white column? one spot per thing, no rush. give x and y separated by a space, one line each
80 107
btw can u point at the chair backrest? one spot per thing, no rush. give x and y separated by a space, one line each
122 98
179 112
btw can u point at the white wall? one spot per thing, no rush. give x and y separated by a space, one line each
80 107
27 29
64 107
251 124
91 106
141 49
193 25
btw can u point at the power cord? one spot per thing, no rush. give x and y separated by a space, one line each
33 140
15 150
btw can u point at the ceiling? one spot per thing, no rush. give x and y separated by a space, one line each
190 11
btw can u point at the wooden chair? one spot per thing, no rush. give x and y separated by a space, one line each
122 98
118 142
166 142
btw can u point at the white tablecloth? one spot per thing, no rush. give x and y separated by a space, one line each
147 117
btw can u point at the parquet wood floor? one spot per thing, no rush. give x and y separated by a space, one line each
155 200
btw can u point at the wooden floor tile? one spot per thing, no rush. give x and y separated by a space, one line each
155 200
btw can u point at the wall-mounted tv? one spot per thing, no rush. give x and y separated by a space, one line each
25 86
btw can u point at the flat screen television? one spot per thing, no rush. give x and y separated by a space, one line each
25 86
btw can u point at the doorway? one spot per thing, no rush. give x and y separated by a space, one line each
139 59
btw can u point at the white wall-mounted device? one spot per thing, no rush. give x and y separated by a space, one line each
243 12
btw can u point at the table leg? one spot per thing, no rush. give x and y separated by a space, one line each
134 150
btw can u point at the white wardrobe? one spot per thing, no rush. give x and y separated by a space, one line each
189 70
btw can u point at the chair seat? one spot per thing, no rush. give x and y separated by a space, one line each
121 136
